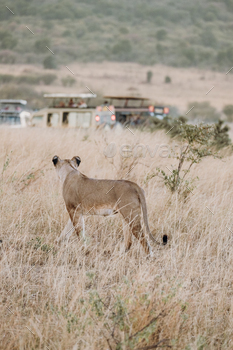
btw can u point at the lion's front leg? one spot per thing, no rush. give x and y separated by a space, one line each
67 231
76 220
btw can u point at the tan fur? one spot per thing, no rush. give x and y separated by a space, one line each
86 196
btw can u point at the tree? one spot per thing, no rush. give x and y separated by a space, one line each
7 41
228 111
68 81
202 111
122 50
49 62
161 34
40 45
167 79
149 76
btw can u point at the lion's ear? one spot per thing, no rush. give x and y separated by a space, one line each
77 160
55 160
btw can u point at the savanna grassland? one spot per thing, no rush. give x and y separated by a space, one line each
121 79
91 294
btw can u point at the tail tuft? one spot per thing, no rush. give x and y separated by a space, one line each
164 239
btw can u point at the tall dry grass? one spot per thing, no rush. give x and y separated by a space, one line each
67 295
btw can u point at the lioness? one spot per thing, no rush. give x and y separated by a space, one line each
83 195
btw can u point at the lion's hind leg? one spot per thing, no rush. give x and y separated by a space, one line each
136 228
127 236
133 218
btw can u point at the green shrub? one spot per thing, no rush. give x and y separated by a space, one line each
228 111
81 30
93 25
190 54
48 79
6 78
161 49
208 38
40 45
224 56
168 123
161 34
122 50
202 111
198 142
175 126
68 81
221 138
210 16
49 62
7 57
28 79
167 80
66 33
149 76
229 4
7 41
124 30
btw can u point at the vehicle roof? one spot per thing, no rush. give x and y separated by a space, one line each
62 95
127 98
22 102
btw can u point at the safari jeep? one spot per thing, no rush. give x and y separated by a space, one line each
66 110
13 113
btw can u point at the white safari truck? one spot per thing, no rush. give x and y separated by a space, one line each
13 113
66 110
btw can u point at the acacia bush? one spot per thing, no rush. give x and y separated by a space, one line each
228 111
197 144
220 136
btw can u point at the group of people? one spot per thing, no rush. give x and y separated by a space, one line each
72 104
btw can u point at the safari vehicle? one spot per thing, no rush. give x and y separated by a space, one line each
159 112
105 115
66 110
131 110
13 113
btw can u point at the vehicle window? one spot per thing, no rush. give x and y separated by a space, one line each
79 119
37 120
53 119
65 118
72 119
11 120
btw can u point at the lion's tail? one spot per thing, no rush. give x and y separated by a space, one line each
144 213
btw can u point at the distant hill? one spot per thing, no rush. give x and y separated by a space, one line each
180 33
